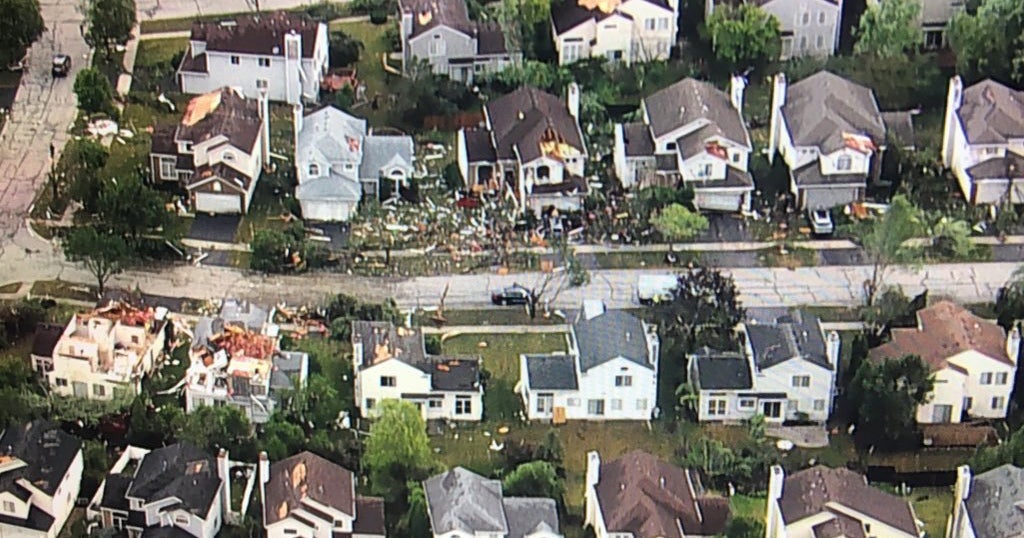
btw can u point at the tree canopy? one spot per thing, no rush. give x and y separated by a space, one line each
885 396
94 92
885 241
889 28
216 427
990 41
744 36
103 254
533 479
79 167
397 450
109 22
703 311
130 208
21 24
675 222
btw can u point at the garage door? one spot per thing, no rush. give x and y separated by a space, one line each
717 201
218 203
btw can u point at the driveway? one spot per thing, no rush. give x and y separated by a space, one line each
214 228
725 228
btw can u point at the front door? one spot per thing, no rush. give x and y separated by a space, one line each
545 401
771 409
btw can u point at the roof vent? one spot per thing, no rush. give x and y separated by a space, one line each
521 115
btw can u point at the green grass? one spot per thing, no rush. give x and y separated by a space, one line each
631 260
501 354
58 289
369 69
933 506
512 315
153 52
745 506
12 287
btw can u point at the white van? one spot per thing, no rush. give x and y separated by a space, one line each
652 289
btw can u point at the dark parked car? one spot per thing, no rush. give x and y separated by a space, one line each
61 65
514 294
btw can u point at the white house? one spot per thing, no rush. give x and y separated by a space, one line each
983 141
809 27
610 372
216 152
623 31
691 134
282 54
40 473
973 360
987 505
308 496
821 501
531 148
105 353
786 371
337 162
391 363
176 490
640 496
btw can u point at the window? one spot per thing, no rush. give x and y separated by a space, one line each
821 17
235 60
986 378
262 84
545 401
736 157
314 169
716 407
99 390
544 172
844 162
291 532
1001 378
595 407
370 402
650 24
387 381
437 46
819 42
623 381
671 146
181 520
819 405
60 381
746 403
434 404
933 39
463 405
228 156
968 403
705 171
801 381
8 507
806 18
787 47
187 147
573 402
264 62
217 187
167 169
803 43
616 404
135 339
998 402
641 404
663 23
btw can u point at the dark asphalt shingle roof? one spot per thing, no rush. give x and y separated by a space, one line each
530 515
992 113
900 125
823 107
1009 166
809 175
46 338
305 476
258 34
551 372
615 333
521 120
114 490
461 500
638 141
797 335
232 116
369 516
37 519
690 100
994 503
47 451
479 147
452 373
182 471
722 371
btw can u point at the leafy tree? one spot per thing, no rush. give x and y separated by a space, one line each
345 49
282 438
1009 452
704 310
416 520
277 251
744 527
990 41
94 91
550 449
527 25
80 165
110 22
20 26
677 223
316 405
951 240
96 463
888 28
148 427
744 36
130 208
891 309
536 479
397 450
541 75
103 254
213 428
885 396
744 463
1010 300
343 309
885 241
341 447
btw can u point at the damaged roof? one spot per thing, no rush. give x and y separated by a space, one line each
225 113
691 100
824 110
45 449
306 476
531 123
261 33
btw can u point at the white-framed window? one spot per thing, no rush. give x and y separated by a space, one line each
388 381
746 403
571 51
262 84
844 162
99 390
819 405
595 407
235 60
641 404
801 381
264 62
803 43
544 172
463 405
821 17
370 403
934 39
787 47
998 402
968 403
187 147
314 169
438 47
434 403
650 24
805 18
819 42
228 156
736 157
545 401
623 381
670 146
181 520
705 171
1001 378
663 23
986 378
167 169
716 407
616 404
9 507
60 381
572 402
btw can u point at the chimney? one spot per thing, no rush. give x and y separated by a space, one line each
778 100
776 480
573 100
956 92
1013 343
265 117
737 84
224 473
593 468
954 99
297 117
263 470
832 348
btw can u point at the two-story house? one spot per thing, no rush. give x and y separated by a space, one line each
40 473
620 31
831 136
440 34
988 505
391 363
282 55
216 152
306 495
641 496
983 141
821 501
973 360
809 27
337 162
609 373
104 354
785 371
934 20
531 146
463 504
177 490
692 134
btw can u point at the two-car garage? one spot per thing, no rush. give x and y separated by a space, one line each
217 203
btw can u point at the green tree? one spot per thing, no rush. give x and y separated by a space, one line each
990 41
345 49
416 520
703 312
550 449
103 254
282 438
269 251
951 240
885 396
110 22
886 241
1009 452
526 25
79 166
534 479
744 36
20 26
213 428
94 92
130 208
147 427
889 28
397 450
96 463
316 405
677 223
1010 300
744 527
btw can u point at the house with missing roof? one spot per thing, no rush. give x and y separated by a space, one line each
391 363
307 495
174 491
463 504
821 502
216 152
619 31
974 362
530 150
691 134
785 371
281 54
641 496
808 27
609 373
337 162
40 473
988 505
440 34
983 141
831 135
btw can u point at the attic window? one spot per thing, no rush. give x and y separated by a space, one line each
217 187
844 162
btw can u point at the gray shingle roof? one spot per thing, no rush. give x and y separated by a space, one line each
722 371
551 372
522 119
690 100
46 450
330 135
822 107
994 502
797 335
900 125
528 515
638 141
380 152
250 315
181 471
460 500
612 334
810 175
992 113
771 345
335 187
1010 165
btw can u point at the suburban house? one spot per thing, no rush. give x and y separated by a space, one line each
174 491
391 363
440 34
691 134
983 141
809 27
216 152
306 495
640 496
821 501
463 504
40 472
337 162
236 360
609 373
103 354
988 505
623 31
973 360
785 371
831 135
282 55
530 148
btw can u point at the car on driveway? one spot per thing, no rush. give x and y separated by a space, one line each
61 65
514 294
821 221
